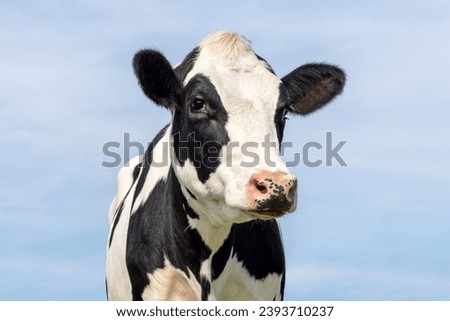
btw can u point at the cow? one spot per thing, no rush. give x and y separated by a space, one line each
202 225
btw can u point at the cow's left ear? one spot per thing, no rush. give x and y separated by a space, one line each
157 78
312 86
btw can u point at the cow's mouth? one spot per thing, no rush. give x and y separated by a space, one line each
266 214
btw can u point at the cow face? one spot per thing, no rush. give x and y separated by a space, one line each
229 112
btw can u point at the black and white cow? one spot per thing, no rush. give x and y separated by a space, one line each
202 226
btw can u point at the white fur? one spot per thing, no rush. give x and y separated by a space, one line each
160 154
170 283
124 182
212 235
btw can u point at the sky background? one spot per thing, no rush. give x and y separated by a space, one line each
378 229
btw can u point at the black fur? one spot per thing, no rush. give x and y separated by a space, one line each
199 136
280 114
312 86
257 245
157 78
186 66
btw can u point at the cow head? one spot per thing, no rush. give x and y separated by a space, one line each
229 112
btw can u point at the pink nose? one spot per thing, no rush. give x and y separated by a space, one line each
269 191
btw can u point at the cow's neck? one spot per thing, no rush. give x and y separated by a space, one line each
204 237
187 206
212 235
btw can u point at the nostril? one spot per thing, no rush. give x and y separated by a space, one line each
261 187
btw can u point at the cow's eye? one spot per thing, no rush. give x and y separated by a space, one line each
198 105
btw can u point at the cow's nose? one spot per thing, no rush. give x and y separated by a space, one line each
272 191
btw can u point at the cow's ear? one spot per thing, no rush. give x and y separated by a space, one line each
157 78
312 86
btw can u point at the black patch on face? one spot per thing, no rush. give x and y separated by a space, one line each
199 133
158 229
281 111
186 65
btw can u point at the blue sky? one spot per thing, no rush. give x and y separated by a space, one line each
378 229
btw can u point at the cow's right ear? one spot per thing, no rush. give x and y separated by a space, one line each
157 78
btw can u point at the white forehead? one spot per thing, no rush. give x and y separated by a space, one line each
242 80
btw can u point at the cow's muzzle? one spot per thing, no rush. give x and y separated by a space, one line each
272 193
